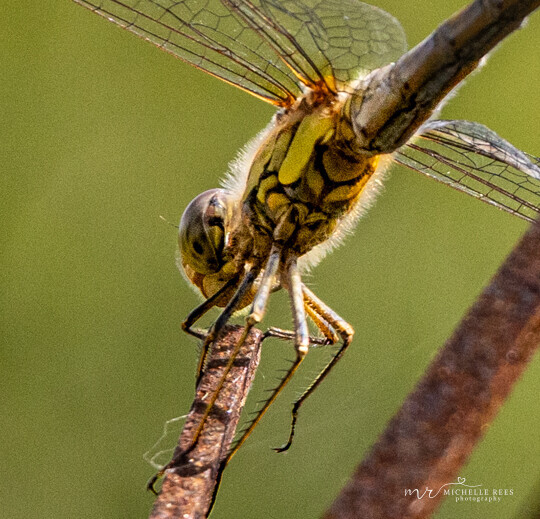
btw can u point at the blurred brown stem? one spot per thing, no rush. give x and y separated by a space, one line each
397 99
432 435
190 478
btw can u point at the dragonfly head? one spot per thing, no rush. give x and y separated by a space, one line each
203 234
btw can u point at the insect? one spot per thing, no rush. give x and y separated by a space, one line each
302 183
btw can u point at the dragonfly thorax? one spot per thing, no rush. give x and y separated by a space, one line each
303 181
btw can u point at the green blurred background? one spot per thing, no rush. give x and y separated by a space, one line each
101 134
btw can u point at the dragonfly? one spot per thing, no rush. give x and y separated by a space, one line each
302 184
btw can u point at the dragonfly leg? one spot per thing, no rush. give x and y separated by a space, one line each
346 332
203 308
288 335
330 336
301 345
322 324
223 318
258 309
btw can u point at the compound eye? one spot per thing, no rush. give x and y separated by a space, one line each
202 231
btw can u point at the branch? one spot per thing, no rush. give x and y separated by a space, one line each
400 97
191 476
431 437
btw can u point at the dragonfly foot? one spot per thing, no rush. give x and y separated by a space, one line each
283 448
151 485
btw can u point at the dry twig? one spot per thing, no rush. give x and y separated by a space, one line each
402 96
190 478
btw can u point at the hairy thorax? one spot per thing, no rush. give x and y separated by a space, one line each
303 180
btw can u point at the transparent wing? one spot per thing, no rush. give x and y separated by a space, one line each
327 43
471 158
266 47
209 36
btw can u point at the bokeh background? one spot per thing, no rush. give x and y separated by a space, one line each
101 134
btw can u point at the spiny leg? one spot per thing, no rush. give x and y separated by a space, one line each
322 324
287 335
204 307
346 333
330 336
258 310
301 344
224 317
